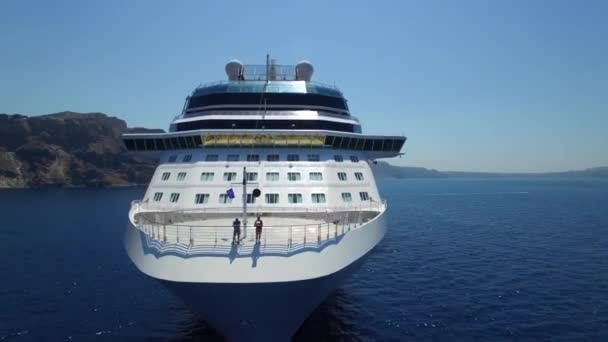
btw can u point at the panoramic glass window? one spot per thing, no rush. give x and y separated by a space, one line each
359 176
174 197
364 196
272 176
229 176
181 176
346 197
342 176
315 176
293 176
338 158
172 159
294 198
253 157
317 198
211 157
158 196
293 157
207 176
313 157
187 158
272 198
166 176
354 159
201 198
272 157
233 157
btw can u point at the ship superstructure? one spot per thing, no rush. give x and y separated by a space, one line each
270 143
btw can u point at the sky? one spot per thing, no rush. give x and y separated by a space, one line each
510 86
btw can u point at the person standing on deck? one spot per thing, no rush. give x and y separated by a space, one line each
236 235
258 229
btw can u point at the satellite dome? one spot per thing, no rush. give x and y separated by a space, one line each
234 69
304 71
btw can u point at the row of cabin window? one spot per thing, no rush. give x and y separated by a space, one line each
269 198
256 157
270 176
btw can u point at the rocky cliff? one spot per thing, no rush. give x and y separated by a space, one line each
70 150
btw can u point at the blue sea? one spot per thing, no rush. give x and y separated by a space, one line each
464 259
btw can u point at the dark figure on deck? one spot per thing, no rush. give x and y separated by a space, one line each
258 229
236 235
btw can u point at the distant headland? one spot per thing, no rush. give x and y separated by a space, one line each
71 149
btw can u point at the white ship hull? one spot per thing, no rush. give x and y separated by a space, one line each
255 294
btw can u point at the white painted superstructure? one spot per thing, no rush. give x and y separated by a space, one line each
318 199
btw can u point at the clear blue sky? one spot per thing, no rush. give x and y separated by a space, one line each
475 85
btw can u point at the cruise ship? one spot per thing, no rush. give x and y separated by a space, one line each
266 143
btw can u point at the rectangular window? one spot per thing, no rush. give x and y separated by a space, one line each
172 159
224 198
187 158
166 176
272 198
293 157
313 157
207 176
233 157
342 176
211 157
359 176
158 196
250 199
346 197
252 176
272 157
229 176
272 176
315 176
294 176
338 158
181 176
364 196
253 157
354 159
318 198
174 197
201 198
294 198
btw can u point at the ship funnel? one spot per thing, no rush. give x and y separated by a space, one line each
234 70
304 71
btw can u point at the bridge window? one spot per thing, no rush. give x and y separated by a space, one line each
211 157
338 158
272 198
166 176
346 197
354 159
224 198
364 196
174 197
181 176
172 159
342 176
272 157
233 157
313 158
359 176
250 199
294 198
318 198
207 176
252 176
294 176
187 158
229 176
201 198
272 176
293 157
158 196
315 176
253 157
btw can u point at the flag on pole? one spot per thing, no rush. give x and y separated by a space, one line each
230 193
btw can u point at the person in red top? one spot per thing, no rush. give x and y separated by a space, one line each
258 229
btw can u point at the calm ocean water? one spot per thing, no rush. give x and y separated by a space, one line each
516 259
